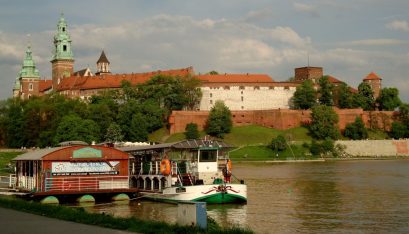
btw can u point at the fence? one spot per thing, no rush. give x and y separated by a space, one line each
86 183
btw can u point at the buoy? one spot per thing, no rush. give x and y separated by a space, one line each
86 198
50 200
165 167
120 197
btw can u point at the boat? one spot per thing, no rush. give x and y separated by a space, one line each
190 170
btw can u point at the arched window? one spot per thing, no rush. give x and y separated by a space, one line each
30 87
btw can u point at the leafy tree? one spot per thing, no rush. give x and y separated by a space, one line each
356 130
102 115
365 98
322 147
398 130
138 130
13 123
72 127
191 131
344 96
114 133
304 96
278 144
388 99
219 121
325 91
213 72
324 122
404 113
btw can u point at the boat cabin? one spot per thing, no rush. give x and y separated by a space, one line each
185 163
73 169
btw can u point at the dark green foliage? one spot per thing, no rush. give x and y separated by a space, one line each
131 224
322 147
191 131
356 130
278 144
324 122
72 128
364 98
388 99
305 96
213 72
344 96
219 121
325 91
114 133
398 130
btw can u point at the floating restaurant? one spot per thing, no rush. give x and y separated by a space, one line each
76 171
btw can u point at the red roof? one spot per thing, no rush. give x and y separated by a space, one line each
236 78
114 80
372 76
44 85
333 80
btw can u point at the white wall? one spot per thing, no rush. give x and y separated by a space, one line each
253 99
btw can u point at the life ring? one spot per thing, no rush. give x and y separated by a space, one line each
229 166
165 167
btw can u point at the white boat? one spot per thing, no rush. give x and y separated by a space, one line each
191 170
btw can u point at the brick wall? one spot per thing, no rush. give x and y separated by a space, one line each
280 118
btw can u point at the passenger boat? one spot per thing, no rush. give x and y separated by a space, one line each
191 170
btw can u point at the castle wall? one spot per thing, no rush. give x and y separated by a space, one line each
250 97
374 148
280 118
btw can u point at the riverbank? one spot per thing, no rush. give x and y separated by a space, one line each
322 160
79 215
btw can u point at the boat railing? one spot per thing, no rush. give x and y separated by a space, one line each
92 183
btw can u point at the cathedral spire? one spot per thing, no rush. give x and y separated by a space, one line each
29 69
103 64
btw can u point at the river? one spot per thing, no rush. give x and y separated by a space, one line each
369 196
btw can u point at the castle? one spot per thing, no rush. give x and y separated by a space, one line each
240 92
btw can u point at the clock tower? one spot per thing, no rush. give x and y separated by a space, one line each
63 58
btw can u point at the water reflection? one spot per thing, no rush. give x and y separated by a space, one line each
340 197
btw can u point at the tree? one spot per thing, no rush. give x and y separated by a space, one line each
72 127
388 99
219 121
278 144
365 98
304 96
398 130
324 122
344 96
356 130
114 133
325 91
213 72
191 131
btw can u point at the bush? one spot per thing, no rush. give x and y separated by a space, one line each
279 143
398 130
323 147
191 131
356 130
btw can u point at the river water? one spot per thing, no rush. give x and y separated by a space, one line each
311 197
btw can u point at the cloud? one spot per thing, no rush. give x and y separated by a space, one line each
305 8
254 16
398 25
376 42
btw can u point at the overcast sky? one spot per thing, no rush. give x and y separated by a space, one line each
348 38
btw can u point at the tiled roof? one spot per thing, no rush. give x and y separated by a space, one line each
333 80
44 85
372 76
236 78
80 72
114 80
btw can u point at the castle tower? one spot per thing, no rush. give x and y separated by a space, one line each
103 65
375 82
63 58
308 73
27 82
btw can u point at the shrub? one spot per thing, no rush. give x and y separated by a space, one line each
279 143
191 131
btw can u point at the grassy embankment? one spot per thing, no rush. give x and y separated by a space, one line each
252 140
130 224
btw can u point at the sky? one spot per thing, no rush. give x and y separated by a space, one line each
348 38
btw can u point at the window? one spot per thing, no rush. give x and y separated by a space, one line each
64 47
211 101
242 107
63 29
227 87
256 87
30 87
241 87
241 92
242 98
271 87
208 156
211 95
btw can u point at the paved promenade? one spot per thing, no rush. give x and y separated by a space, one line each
17 222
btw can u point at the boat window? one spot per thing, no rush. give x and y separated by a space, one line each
208 156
